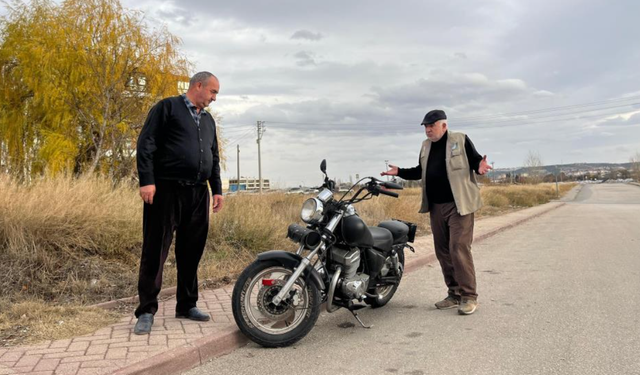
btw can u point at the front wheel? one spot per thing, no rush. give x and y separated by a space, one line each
260 319
385 293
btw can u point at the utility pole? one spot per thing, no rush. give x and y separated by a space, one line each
493 171
386 163
557 188
260 133
238 190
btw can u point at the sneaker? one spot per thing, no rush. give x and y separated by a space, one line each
447 303
468 306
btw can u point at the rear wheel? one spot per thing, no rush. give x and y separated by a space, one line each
263 321
385 293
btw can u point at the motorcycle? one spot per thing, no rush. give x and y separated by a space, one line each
277 299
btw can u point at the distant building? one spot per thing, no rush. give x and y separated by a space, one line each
248 184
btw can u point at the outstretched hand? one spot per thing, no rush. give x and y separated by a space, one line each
393 171
484 166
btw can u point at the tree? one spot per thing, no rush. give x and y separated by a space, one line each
77 80
533 163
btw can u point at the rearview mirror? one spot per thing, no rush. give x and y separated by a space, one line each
323 166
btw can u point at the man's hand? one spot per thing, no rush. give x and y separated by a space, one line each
217 203
393 171
484 166
147 192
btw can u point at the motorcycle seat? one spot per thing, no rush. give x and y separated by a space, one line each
398 229
382 238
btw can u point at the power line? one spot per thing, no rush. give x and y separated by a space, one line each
490 124
548 115
246 134
236 130
515 123
550 118
495 119
551 109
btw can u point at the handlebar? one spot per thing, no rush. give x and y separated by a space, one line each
391 185
374 187
389 193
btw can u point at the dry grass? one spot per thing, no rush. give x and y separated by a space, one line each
498 199
67 243
32 321
64 240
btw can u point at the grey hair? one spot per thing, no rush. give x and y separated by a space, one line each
200 77
444 122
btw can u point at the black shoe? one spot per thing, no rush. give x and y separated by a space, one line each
194 314
143 326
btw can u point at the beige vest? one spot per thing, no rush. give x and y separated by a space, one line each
462 179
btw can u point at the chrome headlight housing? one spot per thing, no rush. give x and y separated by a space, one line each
312 211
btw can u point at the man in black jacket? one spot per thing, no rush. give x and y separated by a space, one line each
177 155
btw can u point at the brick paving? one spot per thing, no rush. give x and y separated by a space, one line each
115 347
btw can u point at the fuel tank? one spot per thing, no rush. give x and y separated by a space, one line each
355 232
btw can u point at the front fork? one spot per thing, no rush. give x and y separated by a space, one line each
304 263
296 274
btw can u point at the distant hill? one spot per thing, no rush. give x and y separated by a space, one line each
569 168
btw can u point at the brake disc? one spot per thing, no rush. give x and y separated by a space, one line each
272 311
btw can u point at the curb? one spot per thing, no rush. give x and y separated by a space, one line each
167 292
183 358
492 233
187 357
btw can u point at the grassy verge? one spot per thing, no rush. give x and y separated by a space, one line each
69 243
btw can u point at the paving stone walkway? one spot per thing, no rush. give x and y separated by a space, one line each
116 347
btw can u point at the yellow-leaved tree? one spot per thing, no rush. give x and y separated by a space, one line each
76 82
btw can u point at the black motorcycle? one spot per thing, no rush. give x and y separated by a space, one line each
277 298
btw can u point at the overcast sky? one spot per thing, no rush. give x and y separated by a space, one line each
350 81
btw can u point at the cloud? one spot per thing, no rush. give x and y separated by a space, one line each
306 35
456 91
360 93
177 15
305 58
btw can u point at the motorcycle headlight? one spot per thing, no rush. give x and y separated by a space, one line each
311 210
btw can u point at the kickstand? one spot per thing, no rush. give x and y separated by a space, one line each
355 315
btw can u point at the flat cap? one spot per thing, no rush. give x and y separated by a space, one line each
433 116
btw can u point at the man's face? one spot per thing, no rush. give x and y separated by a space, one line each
206 92
436 130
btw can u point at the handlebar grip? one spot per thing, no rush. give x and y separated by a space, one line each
391 185
389 193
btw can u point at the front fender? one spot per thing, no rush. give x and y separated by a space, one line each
291 260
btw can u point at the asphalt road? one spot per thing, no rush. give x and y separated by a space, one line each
559 294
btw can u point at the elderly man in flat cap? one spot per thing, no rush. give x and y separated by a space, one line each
447 166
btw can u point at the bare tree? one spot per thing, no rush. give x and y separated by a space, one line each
533 164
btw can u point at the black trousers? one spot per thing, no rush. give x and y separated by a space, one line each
183 209
452 236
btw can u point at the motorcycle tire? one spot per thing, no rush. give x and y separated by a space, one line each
387 292
251 326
